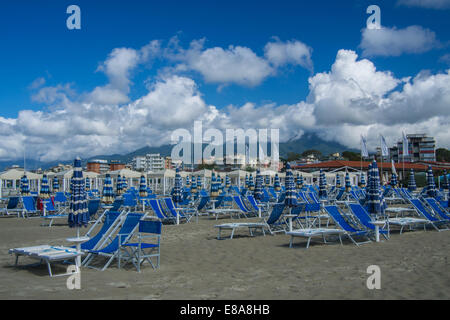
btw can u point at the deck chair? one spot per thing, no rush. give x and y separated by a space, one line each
12 207
244 210
273 223
255 205
139 252
350 231
437 208
29 207
57 214
155 204
93 206
365 220
184 213
111 251
432 220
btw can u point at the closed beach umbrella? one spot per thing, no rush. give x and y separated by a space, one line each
375 202
394 181
291 197
79 214
412 181
108 194
194 185
251 183
221 184
299 181
267 182
24 186
246 185
188 182
124 184
431 186
322 185
176 193
363 180
143 187
44 193
55 184
258 193
348 185
276 183
119 185
214 186
445 182
88 184
227 182
199 183
338 180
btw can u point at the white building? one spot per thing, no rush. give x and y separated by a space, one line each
149 162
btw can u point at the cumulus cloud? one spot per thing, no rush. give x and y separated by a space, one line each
431 4
291 52
350 99
395 42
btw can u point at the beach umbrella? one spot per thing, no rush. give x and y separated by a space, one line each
119 185
291 193
108 195
276 183
445 182
338 180
322 185
247 181
258 192
299 181
363 180
143 193
227 182
88 184
55 184
267 181
214 186
24 186
375 202
176 192
221 184
188 182
412 181
124 184
71 185
79 214
431 186
348 185
194 185
44 193
251 183
199 183
394 181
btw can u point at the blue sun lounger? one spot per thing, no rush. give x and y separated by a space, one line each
432 220
155 204
437 208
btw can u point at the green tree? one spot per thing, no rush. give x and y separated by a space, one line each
443 155
291 156
316 153
351 156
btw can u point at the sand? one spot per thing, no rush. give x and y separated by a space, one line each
195 265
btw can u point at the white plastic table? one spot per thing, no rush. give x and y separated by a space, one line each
377 225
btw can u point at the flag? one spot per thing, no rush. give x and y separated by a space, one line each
364 152
405 145
384 147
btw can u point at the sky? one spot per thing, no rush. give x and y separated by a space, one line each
138 70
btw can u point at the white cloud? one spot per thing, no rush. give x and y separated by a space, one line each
395 42
431 4
290 52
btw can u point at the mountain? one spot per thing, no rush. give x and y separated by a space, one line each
306 142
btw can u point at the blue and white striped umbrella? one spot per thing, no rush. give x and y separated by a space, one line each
338 180
176 193
322 185
374 202
276 183
108 194
88 184
143 193
251 183
199 183
291 193
363 180
24 186
221 184
348 185
412 181
79 214
258 193
214 186
267 182
431 186
119 185
44 193
194 185
247 182
124 184
299 181
445 182
227 182
188 182
55 184
394 181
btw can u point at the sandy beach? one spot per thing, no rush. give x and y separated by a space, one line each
195 265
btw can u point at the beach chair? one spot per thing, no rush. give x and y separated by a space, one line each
365 220
242 207
29 207
436 207
12 207
432 220
55 215
155 204
350 231
183 213
111 251
273 223
139 252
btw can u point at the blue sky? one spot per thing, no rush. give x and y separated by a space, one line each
36 47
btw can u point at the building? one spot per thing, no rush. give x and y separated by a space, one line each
115 165
97 165
421 149
139 163
150 162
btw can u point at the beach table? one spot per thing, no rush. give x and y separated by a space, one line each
49 254
378 224
290 217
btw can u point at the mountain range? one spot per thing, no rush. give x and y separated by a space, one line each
306 142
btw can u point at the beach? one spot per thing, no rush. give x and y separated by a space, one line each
195 265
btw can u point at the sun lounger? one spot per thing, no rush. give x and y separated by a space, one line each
432 220
437 208
48 254
155 204
310 233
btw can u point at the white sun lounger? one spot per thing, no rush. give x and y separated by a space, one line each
405 222
233 226
224 211
48 254
313 233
